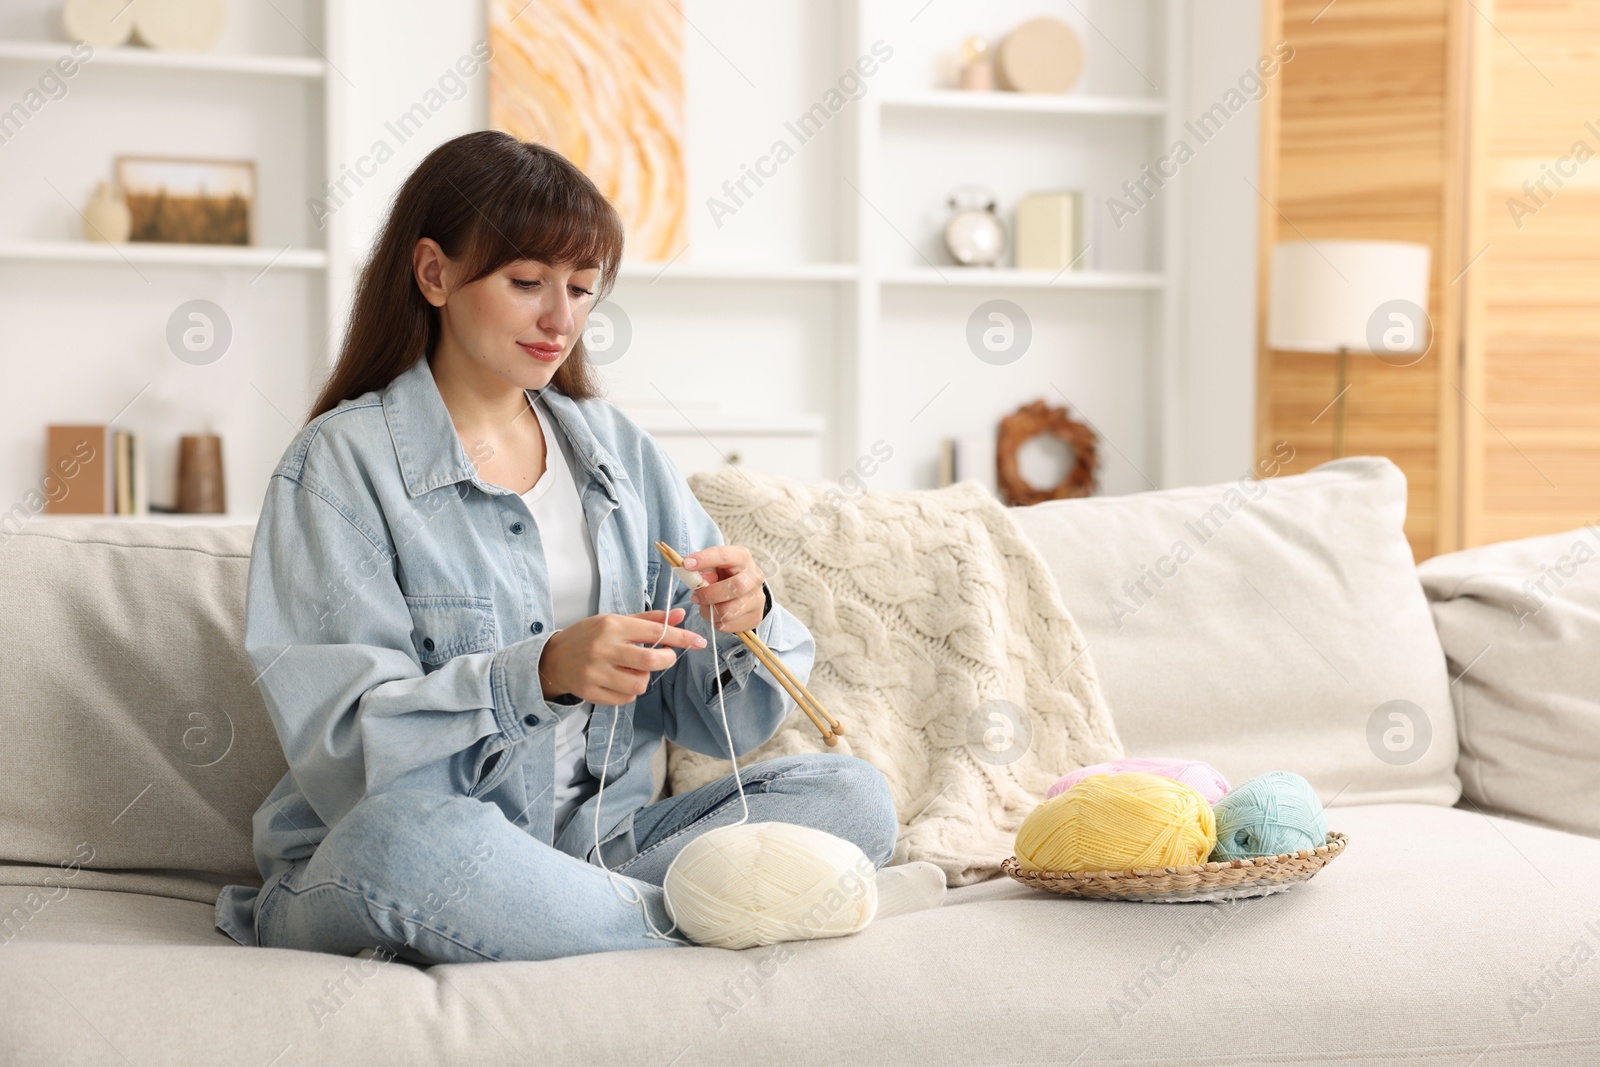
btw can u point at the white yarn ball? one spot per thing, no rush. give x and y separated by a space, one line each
764 882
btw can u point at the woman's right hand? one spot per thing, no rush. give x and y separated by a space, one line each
602 659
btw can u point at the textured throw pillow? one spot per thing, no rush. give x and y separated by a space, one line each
1520 623
1273 624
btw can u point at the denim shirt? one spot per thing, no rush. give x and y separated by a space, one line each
398 605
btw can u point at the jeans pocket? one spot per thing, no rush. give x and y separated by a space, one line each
269 921
620 849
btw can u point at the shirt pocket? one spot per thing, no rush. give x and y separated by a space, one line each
444 627
652 573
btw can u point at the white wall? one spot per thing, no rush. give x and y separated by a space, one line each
385 66
1217 401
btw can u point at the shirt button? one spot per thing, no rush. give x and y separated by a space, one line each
537 627
517 527
427 643
530 720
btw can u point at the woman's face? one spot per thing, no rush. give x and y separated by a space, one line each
519 322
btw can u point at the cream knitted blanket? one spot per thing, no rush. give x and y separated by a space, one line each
942 646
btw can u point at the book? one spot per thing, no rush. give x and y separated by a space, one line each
80 470
948 470
141 477
122 481
1049 231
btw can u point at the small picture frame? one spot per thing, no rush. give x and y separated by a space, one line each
190 201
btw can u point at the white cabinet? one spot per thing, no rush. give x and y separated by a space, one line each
791 446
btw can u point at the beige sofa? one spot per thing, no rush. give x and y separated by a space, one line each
134 750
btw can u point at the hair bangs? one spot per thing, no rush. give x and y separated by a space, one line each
537 215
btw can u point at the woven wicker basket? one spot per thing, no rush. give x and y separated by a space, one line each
1226 880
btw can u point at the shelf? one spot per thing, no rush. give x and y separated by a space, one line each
692 422
739 272
1005 278
48 52
161 518
1027 103
845 272
164 254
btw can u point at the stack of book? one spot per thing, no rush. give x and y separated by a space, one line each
94 470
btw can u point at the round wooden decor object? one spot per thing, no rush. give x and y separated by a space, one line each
179 25
1042 55
1022 426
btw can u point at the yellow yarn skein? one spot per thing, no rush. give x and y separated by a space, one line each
1114 822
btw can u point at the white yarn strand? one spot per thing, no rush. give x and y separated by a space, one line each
618 883
748 884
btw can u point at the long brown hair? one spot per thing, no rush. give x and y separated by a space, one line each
488 199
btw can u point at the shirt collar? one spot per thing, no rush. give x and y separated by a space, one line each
430 452
596 458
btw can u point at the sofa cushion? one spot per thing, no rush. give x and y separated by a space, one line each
1520 623
1272 624
134 738
1437 934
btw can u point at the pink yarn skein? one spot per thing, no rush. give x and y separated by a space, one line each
1202 777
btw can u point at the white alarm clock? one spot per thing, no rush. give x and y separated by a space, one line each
974 235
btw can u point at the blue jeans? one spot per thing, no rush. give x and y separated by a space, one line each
434 878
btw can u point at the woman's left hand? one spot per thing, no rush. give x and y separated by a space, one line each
735 590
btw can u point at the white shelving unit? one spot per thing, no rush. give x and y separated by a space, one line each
1004 278
825 311
174 255
860 317
738 272
1020 103
265 92
896 293
47 52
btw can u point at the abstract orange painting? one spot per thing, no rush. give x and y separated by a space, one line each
601 81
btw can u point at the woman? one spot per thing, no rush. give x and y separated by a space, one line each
457 610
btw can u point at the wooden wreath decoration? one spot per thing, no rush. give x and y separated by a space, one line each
1028 422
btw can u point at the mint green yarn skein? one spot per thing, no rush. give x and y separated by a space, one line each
1268 815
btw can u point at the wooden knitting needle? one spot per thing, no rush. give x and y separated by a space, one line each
803 698
797 689
831 728
774 664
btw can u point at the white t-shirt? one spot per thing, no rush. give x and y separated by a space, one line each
574 575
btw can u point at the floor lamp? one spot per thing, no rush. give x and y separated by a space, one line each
1367 297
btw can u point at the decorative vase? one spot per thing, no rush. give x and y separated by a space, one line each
200 485
106 216
977 73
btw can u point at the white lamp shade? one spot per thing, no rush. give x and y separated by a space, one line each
1325 295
